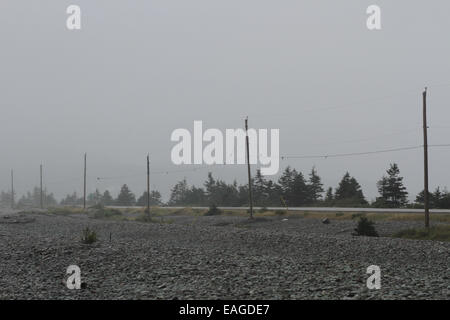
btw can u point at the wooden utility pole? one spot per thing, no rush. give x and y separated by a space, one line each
425 160
248 169
84 188
42 195
12 189
148 184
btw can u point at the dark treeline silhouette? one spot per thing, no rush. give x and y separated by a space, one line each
32 199
125 198
292 189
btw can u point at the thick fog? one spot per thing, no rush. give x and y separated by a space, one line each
138 70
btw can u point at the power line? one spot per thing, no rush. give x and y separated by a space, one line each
161 172
370 138
362 102
166 172
361 153
349 154
439 145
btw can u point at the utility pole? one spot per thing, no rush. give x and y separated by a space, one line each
148 184
84 189
425 160
12 189
42 195
248 169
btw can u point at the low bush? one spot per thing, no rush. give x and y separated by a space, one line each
89 236
365 227
213 211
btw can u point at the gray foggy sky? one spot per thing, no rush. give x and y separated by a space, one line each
140 69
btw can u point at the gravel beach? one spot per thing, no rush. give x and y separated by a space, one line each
216 257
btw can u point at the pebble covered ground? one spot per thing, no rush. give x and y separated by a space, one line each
215 257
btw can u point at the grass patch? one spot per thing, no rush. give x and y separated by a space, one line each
65 210
341 215
106 213
437 233
89 236
188 211
146 218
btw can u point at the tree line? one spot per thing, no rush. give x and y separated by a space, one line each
292 189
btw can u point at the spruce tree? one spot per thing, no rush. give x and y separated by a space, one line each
155 198
392 191
315 186
125 197
106 198
349 192
329 196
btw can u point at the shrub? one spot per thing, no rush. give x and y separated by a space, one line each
213 211
366 228
280 212
89 236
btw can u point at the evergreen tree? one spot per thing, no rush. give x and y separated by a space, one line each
94 197
299 194
197 196
155 199
437 199
107 199
393 192
49 199
5 199
315 186
349 192
293 188
126 197
274 194
260 194
179 193
329 196
210 189
71 200
286 180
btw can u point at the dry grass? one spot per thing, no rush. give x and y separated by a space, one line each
341 215
65 210
437 233
133 213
